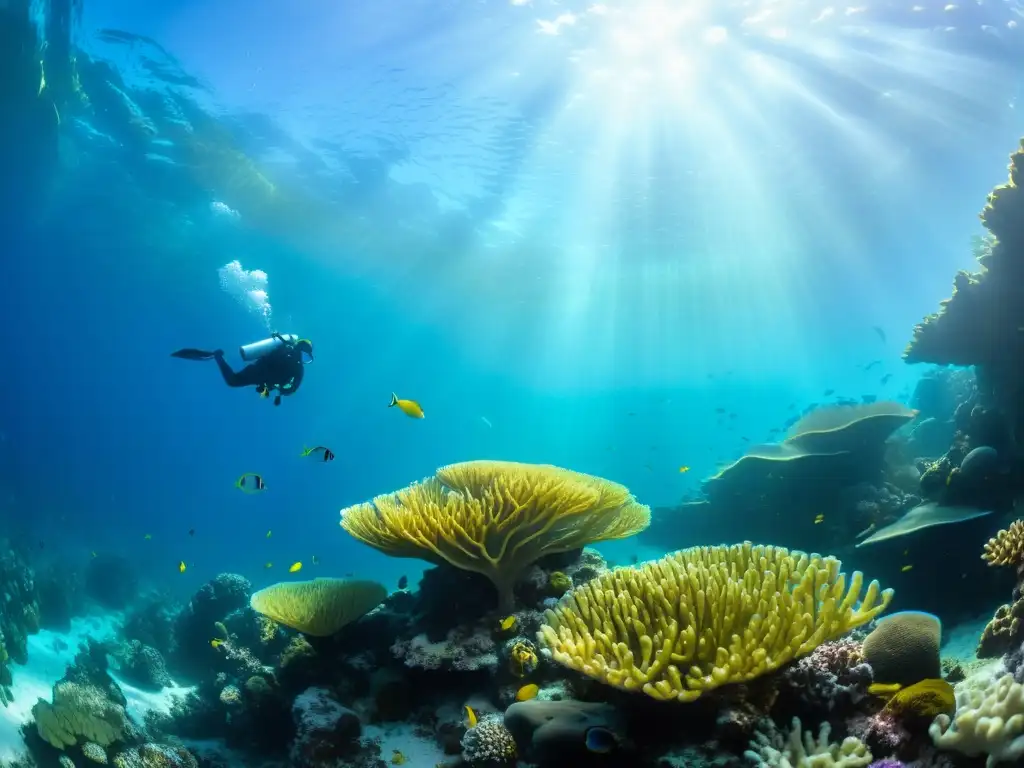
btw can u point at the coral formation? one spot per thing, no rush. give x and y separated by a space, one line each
1006 547
989 719
496 517
801 750
706 616
903 648
320 607
489 743
79 711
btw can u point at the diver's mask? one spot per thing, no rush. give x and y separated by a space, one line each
305 347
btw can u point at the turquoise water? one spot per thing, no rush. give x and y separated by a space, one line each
570 232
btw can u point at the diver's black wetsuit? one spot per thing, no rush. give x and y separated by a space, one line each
281 369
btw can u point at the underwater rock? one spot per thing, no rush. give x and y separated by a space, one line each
556 731
155 756
194 625
61 596
464 649
111 581
143 665
325 730
150 621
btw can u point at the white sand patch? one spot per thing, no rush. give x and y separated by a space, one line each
49 654
419 752
142 701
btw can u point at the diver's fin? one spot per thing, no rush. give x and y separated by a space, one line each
193 354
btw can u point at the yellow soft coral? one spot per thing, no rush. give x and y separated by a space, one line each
319 607
704 617
1007 547
496 517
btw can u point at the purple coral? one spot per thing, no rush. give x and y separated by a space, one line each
887 763
882 732
833 675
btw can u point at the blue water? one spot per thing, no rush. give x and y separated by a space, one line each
564 257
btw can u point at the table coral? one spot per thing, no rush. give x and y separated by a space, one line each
496 518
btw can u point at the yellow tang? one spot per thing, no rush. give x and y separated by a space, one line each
269 565
295 568
527 692
470 716
409 407
216 643
507 623
181 567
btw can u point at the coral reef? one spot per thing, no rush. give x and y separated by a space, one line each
496 518
677 643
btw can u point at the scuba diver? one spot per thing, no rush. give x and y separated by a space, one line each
277 364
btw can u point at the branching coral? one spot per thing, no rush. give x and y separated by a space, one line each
704 617
496 517
1006 547
801 750
989 720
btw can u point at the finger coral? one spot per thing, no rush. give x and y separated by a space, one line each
496 517
704 617
989 720
1006 547
320 607
802 750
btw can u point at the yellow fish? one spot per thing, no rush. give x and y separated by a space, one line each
295 568
148 536
410 408
906 568
819 519
269 565
527 692
684 469
507 623
470 716
181 567
216 642
268 534
397 758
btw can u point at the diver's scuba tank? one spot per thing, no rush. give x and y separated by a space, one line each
259 349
